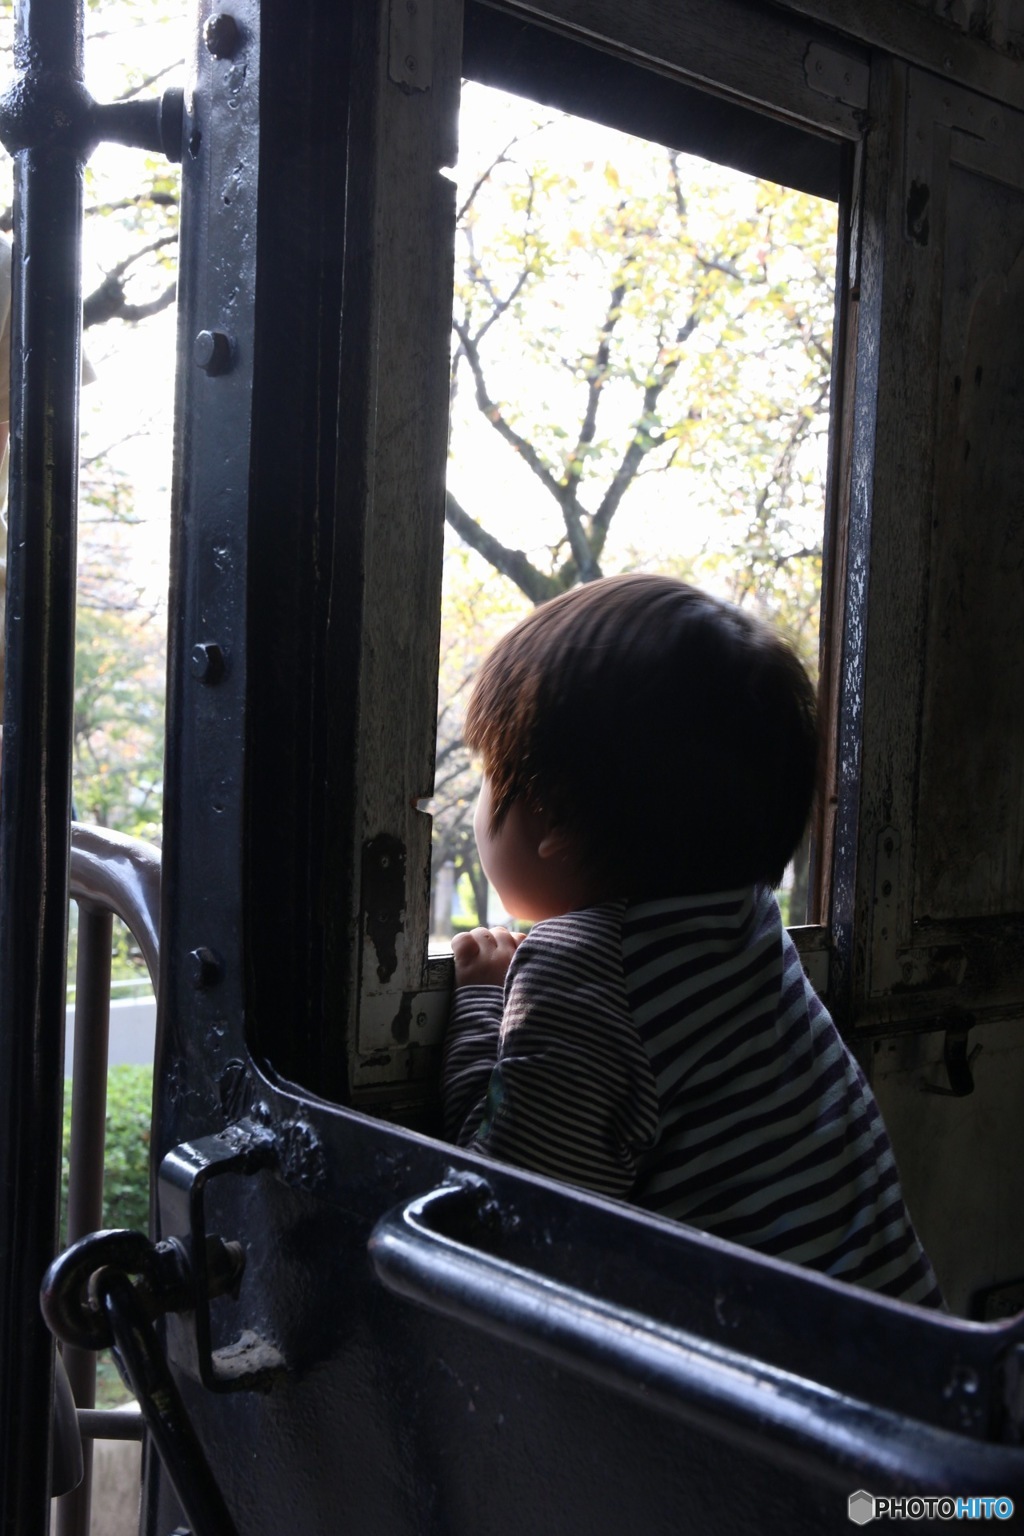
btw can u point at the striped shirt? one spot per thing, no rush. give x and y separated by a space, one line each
674 1054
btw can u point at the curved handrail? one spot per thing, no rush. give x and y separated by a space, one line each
111 876
120 874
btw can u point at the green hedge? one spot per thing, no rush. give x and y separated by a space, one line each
126 1180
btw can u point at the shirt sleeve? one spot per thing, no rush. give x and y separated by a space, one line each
561 1083
470 1054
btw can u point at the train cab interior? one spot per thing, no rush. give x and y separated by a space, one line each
359 1324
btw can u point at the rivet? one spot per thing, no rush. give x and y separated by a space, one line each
205 967
222 35
213 352
207 662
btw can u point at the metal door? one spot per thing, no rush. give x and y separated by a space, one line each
424 1341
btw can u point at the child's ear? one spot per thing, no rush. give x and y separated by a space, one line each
553 844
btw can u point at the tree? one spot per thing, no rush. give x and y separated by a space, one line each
133 49
118 721
631 319
641 362
474 614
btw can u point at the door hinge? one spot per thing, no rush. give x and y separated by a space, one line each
411 44
838 76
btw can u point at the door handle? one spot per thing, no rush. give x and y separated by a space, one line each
433 1250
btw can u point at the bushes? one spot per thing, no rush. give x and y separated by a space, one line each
126 1182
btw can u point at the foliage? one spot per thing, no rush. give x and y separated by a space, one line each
475 612
118 722
640 325
133 50
634 332
126 1161
126 1181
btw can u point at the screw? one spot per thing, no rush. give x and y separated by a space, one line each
207 662
222 35
205 967
213 352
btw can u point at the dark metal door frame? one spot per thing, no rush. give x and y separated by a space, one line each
50 124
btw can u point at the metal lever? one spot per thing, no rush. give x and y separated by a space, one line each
89 1299
144 1371
958 1061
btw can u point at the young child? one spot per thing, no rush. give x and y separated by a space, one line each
650 758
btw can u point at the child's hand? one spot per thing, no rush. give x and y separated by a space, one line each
483 956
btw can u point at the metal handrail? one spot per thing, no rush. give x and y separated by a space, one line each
111 876
120 875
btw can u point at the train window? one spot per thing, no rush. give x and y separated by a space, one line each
642 348
664 298
746 240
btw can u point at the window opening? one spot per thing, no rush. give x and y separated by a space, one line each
129 271
641 365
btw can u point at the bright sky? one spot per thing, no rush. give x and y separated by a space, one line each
127 411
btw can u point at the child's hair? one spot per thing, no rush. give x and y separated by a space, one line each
672 736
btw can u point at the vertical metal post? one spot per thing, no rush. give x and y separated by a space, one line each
88 1139
36 781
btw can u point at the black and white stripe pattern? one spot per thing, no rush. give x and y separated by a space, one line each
674 1054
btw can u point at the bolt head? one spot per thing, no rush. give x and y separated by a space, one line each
205 967
222 35
213 351
207 662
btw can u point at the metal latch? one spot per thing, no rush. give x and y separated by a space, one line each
244 1148
105 1292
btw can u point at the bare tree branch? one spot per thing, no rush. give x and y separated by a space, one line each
491 412
158 199
108 301
595 376
507 562
501 158
718 264
499 306
642 441
144 85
